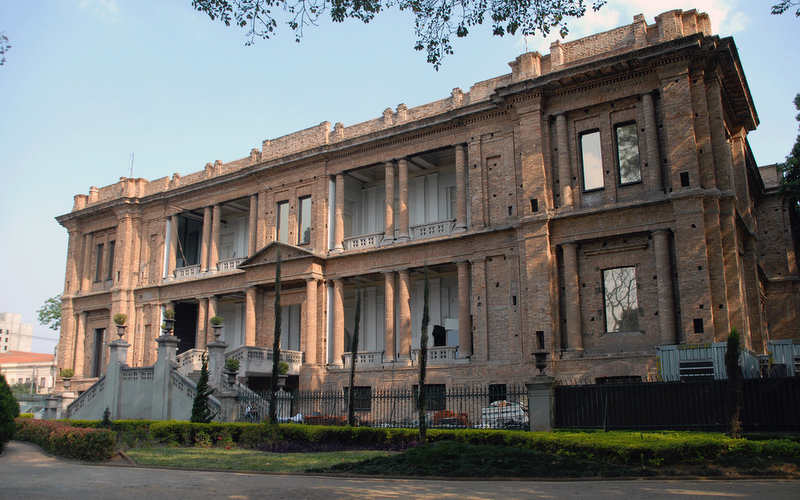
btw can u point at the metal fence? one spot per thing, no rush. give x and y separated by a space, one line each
768 405
494 407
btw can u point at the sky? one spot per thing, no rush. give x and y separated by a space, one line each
94 90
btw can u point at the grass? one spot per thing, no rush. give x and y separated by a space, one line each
252 460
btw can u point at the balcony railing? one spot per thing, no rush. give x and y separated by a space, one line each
363 241
259 359
190 361
438 355
229 264
364 358
185 272
433 229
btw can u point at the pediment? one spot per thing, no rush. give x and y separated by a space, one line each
269 255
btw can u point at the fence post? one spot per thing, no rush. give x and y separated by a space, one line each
541 396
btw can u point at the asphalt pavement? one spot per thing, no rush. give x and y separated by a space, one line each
26 472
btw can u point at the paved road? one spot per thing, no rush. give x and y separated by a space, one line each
25 472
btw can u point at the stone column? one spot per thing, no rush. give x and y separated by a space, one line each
162 374
118 355
403 200
651 136
666 306
461 189
212 311
404 316
464 313
173 246
388 233
389 354
572 296
80 340
252 230
206 242
541 396
86 272
213 254
338 230
250 316
338 323
202 323
310 314
216 363
74 261
564 171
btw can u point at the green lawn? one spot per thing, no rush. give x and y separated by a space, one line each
238 459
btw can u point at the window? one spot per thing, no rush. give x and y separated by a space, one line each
111 247
190 230
435 397
98 273
283 222
304 224
362 398
622 309
628 153
592 161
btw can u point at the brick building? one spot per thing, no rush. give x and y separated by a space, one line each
596 202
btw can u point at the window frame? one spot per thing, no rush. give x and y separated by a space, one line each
617 127
607 307
582 150
98 272
112 247
440 398
279 215
303 220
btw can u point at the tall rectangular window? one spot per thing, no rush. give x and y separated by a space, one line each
111 248
436 396
304 224
628 153
591 161
98 272
283 222
621 303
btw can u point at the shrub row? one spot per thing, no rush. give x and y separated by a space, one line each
64 440
619 447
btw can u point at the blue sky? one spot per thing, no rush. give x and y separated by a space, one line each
89 82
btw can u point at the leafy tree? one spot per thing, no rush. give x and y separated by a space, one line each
201 413
785 5
733 405
4 46
21 389
9 410
790 184
351 393
423 361
435 21
276 344
50 313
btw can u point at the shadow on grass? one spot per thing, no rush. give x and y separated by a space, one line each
452 459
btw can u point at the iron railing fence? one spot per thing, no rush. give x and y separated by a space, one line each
768 405
495 407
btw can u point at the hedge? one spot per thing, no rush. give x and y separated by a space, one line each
64 440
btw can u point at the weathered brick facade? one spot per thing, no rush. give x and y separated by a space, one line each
601 199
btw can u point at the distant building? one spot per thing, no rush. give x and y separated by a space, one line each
596 203
29 368
14 334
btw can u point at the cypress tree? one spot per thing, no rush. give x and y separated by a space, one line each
276 345
201 413
351 413
733 405
423 362
9 410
